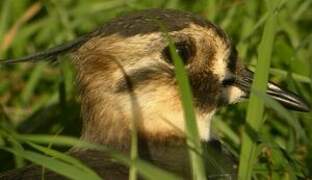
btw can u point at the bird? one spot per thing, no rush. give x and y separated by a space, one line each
125 66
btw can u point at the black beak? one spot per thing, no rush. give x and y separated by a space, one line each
288 99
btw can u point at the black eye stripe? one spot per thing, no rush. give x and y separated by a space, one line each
183 49
232 59
228 82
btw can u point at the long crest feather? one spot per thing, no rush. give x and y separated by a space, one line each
49 54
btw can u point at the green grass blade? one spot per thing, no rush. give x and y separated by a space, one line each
193 140
147 170
254 119
16 145
66 158
133 150
227 131
32 83
4 19
282 112
60 167
134 155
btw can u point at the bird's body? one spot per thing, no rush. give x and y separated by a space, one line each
125 74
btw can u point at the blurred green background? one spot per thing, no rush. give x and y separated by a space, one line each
41 98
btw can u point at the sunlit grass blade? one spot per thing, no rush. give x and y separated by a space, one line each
4 18
133 151
64 157
226 129
282 112
193 140
16 145
60 167
297 77
254 119
144 168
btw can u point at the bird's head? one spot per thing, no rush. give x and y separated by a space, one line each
125 72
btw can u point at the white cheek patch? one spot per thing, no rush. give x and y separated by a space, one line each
235 95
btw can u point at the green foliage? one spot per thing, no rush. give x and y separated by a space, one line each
41 98
254 118
193 140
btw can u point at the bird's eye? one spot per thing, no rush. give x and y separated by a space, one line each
183 49
228 81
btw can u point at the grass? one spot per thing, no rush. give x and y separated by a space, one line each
193 140
41 98
254 118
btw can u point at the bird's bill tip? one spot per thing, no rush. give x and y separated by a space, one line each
288 99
